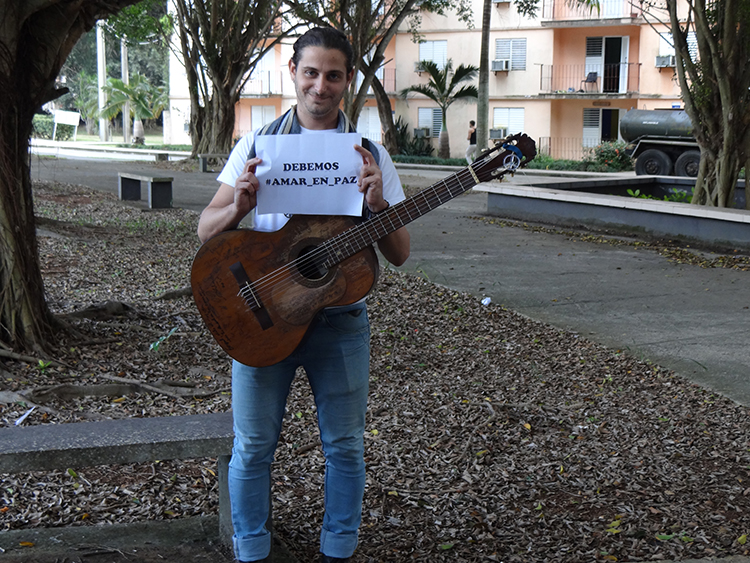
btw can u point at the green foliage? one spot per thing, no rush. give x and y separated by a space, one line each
154 347
416 147
142 22
443 86
146 101
86 100
678 196
44 125
608 157
545 162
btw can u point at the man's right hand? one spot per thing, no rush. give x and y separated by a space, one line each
230 204
246 188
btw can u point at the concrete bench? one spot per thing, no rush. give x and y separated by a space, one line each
204 158
53 447
159 189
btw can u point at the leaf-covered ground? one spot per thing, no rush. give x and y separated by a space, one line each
490 437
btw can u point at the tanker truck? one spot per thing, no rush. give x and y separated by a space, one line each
661 141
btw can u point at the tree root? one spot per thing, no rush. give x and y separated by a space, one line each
108 310
30 359
171 389
176 293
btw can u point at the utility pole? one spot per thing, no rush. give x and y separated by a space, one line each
483 101
101 68
126 80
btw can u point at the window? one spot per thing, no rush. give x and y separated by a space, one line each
435 51
510 119
513 50
432 119
591 127
666 45
369 124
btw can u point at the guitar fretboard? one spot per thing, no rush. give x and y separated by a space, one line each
351 241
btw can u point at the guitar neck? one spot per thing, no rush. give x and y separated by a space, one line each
351 241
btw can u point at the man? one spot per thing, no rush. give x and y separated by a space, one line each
335 352
471 150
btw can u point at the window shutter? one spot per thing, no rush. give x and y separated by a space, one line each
591 120
426 51
437 121
502 49
435 51
425 118
510 119
513 50
595 55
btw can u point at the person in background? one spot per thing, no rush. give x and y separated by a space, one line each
471 150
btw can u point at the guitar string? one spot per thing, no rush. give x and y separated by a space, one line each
260 288
281 278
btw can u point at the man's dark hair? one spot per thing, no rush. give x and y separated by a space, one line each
471 123
328 38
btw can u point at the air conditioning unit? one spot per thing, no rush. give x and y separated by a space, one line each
422 132
499 133
665 61
501 65
501 1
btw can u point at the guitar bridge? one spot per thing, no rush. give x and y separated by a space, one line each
249 296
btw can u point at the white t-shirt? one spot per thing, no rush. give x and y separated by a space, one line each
393 192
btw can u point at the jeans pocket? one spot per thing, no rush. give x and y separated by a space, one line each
353 321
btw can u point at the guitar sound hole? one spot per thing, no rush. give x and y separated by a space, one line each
312 266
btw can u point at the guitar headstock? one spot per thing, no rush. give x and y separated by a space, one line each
508 155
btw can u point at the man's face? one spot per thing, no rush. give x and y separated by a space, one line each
320 80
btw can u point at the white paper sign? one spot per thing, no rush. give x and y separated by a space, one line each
309 174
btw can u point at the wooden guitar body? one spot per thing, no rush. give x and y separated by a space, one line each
258 292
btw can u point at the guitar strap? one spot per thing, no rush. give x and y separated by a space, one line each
288 124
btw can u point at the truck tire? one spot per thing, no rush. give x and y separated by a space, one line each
687 164
653 162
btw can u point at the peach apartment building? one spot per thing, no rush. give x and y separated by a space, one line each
565 77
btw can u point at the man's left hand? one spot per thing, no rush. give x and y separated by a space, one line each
371 181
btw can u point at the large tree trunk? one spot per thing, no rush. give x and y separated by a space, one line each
385 111
715 88
717 178
25 320
221 43
35 39
444 143
218 117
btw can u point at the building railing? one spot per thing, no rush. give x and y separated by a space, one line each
264 83
387 79
616 78
568 148
562 10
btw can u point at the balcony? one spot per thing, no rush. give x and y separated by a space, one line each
594 80
264 83
563 11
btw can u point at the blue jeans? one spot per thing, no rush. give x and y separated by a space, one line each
336 356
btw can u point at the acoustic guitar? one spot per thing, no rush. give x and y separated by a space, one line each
258 292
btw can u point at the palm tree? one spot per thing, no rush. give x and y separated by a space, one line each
443 89
146 101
